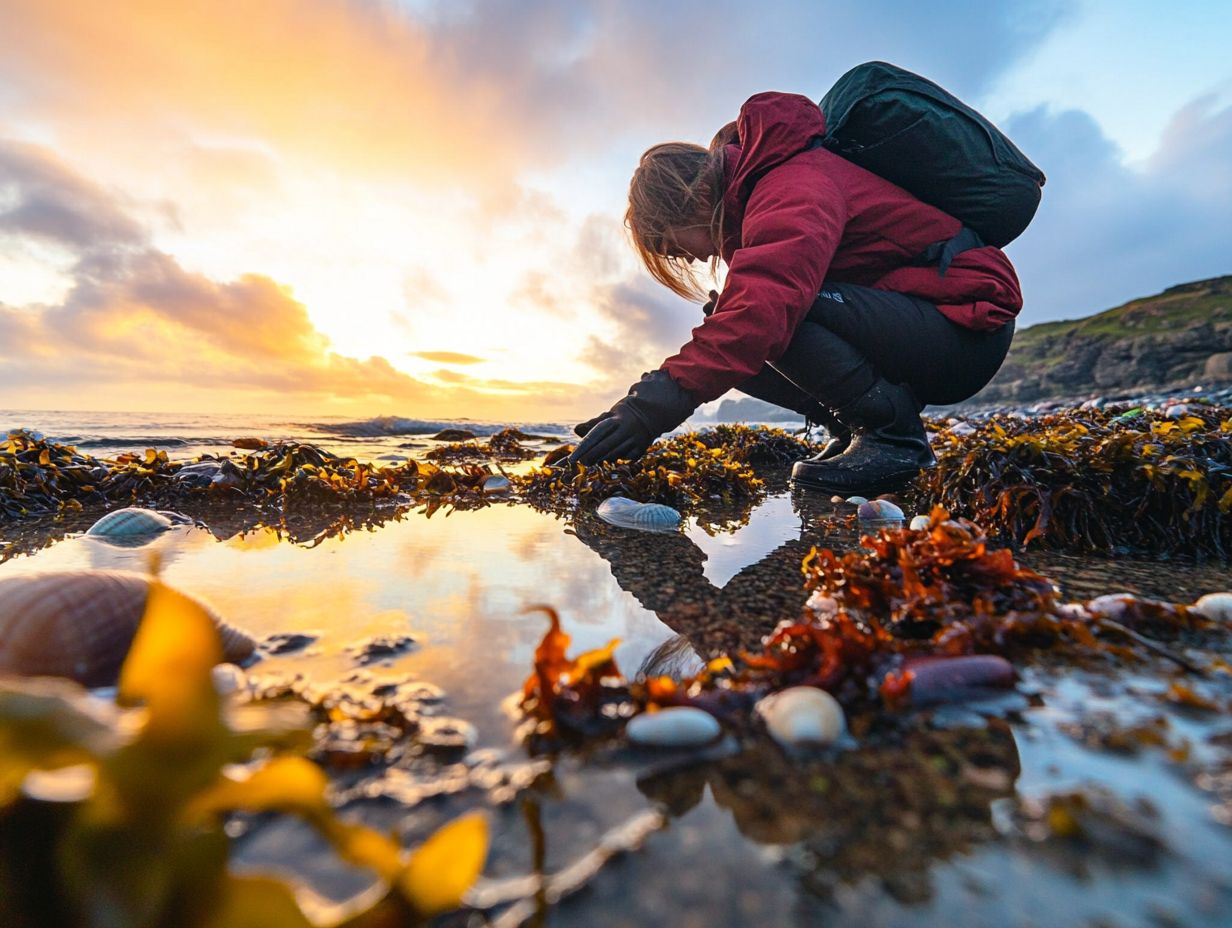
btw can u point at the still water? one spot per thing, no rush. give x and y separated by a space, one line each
936 829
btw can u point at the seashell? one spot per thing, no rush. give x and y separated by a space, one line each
856 500
1214 606
646 517
879 510
126 523
962 429
495 484
918 522
674 727
822 605
802 715
80 624
949 679
1176 411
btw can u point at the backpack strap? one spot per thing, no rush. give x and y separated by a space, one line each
944 252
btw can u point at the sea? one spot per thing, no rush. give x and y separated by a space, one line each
189 435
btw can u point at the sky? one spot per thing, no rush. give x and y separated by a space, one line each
369 207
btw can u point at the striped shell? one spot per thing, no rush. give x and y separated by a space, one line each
647 517
80 624
129 522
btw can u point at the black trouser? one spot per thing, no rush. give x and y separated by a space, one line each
853 335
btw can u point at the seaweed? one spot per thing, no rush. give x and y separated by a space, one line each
1091 480
873 618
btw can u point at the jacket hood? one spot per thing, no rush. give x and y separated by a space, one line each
771 128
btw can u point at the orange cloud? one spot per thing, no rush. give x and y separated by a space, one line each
447 357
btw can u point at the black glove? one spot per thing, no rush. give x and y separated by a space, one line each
655 404
708 306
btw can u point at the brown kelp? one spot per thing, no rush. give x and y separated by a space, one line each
116 815
683 471
1090 479
876 621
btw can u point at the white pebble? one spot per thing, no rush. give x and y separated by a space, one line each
1176 411
1214 606
802 715
918 522
674 727
822 605
228 678
1110 605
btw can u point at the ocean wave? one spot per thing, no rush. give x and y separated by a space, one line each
148 441
396 425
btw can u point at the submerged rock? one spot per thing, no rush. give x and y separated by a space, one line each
675 727
802 715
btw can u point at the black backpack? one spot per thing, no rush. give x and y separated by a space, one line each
908 130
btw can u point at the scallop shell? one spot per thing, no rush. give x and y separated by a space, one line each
802 715
126 523
647 517
674 727
1214 606
879 510
80 624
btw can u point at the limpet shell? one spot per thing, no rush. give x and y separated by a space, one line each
646 517
80 624
1214 606
674 727
879 510
126 523
802 715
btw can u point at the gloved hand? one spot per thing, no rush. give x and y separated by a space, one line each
708 306
655 404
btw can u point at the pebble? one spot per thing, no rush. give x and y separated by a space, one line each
918 522
1176 411
949 679
802 715
288 642
879 510
1214 606
228 678
674 727
1110 605
495 484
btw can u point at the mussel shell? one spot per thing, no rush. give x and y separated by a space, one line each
80 624
126 523
646 517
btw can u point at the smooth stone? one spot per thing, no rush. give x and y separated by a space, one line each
228 678
674 727
953 679
495 484
918 522
1110 605
879 510
802 715
1214 606
1176 411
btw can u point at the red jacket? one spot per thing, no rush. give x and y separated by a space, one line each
812 216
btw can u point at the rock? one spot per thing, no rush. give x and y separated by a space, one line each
675 727
1215 606
380 647
878 511
495 484
454 435
287 642
446 735
802 715
918 523
228 678
950 679
1176 411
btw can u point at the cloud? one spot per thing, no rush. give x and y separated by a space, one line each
647 324
1107 232
447 357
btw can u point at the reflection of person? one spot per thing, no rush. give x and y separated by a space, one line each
847 299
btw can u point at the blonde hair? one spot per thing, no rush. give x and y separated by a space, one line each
677 186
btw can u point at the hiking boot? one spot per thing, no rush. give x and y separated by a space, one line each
888 446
